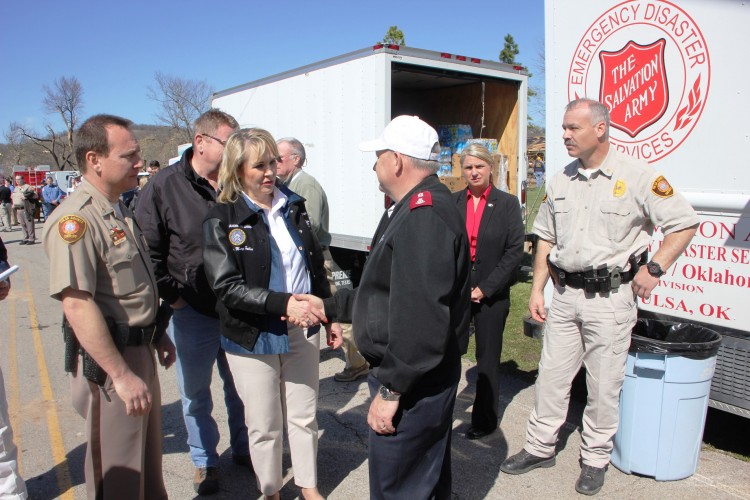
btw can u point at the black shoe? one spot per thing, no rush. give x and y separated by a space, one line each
523 461
243 461
206 480
591 480
477 433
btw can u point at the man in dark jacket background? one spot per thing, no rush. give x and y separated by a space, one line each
170 210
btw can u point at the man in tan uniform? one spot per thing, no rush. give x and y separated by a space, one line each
100 270
594 226
24 201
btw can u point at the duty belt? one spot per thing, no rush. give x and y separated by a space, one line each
599 280
137 335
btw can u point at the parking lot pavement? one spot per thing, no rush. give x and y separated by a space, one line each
50 434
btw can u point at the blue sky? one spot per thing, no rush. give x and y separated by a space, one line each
114 48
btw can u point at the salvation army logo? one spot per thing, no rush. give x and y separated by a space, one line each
627 71
654 78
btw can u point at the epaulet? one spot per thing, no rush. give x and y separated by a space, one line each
71 228
420 199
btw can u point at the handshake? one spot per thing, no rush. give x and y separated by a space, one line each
306 311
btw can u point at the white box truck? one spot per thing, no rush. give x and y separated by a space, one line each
332 105
678 92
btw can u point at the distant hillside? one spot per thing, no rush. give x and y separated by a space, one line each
157 143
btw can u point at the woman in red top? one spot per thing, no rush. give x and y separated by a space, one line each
496 235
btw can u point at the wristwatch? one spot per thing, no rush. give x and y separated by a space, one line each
654 269
388 395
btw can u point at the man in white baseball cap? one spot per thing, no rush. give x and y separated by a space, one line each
410 315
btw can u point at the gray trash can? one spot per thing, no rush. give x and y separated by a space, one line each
664 399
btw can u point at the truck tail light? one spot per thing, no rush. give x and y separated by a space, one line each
445 55
461 58
475 60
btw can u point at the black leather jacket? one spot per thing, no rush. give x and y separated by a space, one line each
237 257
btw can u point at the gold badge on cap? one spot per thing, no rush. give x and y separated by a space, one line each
71 228
662 188
619 189
237 237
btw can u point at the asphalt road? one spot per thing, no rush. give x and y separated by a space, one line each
49 433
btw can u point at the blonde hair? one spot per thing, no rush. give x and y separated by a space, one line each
478 151
242 145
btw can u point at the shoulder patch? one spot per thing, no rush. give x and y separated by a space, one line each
71 228
620 188
420 199
662 188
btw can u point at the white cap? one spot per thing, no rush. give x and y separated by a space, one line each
407 135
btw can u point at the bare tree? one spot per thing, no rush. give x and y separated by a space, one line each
53 143
14 143
65 98
182 102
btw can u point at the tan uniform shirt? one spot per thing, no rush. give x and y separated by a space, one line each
18 196
93 249
610 216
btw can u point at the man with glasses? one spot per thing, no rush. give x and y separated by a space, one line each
170 210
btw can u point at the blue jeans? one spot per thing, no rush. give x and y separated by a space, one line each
539 177
197 339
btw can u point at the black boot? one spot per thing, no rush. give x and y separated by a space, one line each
591 480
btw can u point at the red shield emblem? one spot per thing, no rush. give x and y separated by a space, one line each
634 85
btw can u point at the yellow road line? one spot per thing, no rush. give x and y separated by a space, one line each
13 388
64 482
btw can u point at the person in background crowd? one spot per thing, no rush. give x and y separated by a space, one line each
12 486
259 249
594 230
6 206
24 203
99 269
51 196
153 167
292 157
539 171
496 235
170 209
410 321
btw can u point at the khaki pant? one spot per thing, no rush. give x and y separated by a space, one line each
351 354
123 456
275 386
12 486
593 330
26 219
5 218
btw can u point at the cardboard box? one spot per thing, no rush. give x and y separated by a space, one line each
454 183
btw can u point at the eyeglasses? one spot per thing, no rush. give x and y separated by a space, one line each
223 143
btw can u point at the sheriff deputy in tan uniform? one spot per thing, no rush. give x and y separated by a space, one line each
100 270
594 228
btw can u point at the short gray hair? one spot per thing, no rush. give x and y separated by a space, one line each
297 148
431 165
599 112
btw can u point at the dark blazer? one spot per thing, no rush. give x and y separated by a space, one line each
499 243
